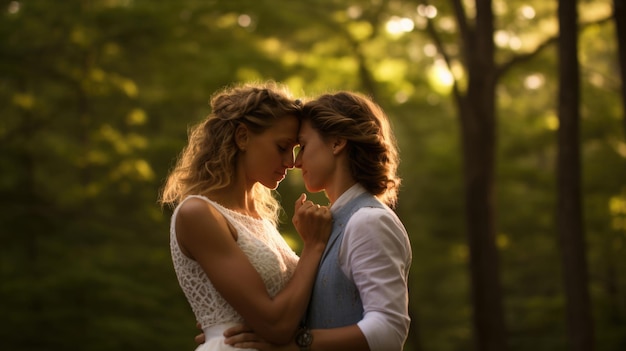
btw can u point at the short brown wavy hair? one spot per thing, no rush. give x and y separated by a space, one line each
372 147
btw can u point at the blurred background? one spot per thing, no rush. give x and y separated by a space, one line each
96 97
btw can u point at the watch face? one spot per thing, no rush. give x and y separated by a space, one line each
304 338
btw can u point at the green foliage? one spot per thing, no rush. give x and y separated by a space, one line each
96 98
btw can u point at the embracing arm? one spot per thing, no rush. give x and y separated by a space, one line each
205 236
339 339
376 254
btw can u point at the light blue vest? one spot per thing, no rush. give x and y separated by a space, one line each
335 301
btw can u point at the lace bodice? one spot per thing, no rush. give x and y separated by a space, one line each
259 240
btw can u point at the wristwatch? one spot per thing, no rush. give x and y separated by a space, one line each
304 339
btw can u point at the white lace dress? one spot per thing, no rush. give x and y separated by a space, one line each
267 251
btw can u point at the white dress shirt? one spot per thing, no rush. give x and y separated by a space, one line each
376 254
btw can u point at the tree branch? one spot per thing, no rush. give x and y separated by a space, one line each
506 66
467 33
430 29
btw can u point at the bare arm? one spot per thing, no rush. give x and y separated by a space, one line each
339 339
336 339
204 236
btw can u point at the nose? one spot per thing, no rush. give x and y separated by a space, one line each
298 161
288 160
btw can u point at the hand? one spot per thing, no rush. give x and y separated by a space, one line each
199 339
313 222
242 336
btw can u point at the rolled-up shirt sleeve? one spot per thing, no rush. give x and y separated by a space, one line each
376 254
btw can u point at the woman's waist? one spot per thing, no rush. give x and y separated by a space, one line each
217 330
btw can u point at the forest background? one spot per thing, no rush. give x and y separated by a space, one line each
96 97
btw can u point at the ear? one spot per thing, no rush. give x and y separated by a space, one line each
241 136
339 144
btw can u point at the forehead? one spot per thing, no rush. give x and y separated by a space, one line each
285 128
306 131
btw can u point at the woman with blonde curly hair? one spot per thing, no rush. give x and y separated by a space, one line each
360 297
230 260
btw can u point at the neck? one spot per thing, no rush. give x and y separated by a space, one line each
342 179
235 197
338 188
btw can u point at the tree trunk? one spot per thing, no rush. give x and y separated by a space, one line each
477 113
619 15
569 212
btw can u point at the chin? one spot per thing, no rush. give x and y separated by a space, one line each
312 189
272 185
275 186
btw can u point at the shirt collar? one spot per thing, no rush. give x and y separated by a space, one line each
354 191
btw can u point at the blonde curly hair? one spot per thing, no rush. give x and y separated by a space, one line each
208 161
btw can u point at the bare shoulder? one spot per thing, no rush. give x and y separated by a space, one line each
197 216
196 207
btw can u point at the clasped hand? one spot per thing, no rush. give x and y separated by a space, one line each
312 221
